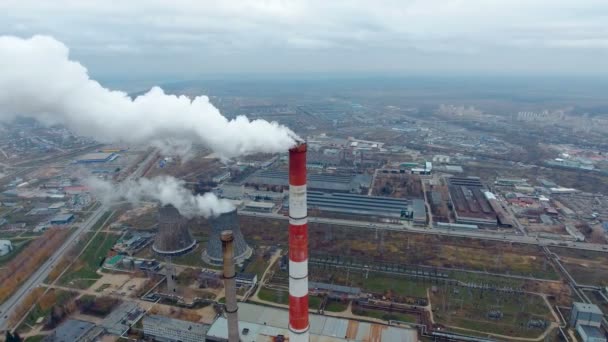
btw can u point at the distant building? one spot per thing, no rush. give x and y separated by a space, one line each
221 177
6 246
587 314
74 330
590 333
96 158
62 219
167 329
246 279
262 207
120 320
335 291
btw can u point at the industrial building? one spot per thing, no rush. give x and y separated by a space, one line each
74 330
212 254
352 204
6 246
316 181
61 219
98 157
586 314
590 333
334 291
266 324
122 318
165 329
469 203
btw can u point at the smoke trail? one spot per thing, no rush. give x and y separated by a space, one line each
38 80
166 190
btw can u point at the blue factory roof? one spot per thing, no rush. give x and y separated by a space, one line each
357 204
60 218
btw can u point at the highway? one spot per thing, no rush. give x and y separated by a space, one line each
43 271
485 235
38 277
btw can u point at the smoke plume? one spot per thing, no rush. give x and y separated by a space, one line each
166 190
38 80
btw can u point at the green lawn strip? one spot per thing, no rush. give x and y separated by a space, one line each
385 315
275 296
91 259
334 306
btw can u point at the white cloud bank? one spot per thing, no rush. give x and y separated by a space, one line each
38 80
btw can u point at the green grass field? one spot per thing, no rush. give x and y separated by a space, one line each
334 306
83 272
275 296
387 316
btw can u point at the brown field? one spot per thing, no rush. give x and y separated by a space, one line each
587 267
407 248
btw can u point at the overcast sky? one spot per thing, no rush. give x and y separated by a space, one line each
181 38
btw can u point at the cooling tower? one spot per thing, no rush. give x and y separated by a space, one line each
173 237
213 251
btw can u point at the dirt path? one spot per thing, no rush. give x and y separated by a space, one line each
263 280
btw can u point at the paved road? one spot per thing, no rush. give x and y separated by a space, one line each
485 235
6 309
43 271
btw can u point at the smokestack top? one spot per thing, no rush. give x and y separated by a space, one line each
297 164
227 236
300 147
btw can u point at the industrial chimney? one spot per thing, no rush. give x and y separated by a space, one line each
213 251
173 237
298 246
230 286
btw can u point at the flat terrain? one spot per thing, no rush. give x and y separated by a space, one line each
471 308
586 267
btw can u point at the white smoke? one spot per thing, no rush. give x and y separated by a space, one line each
166 190
38 80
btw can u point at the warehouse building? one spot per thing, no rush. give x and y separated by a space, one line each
165 329
266 324
587 314
352 204
99 157
74 330
61 219
316 181
6 246
469 203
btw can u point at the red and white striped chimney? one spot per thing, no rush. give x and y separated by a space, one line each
298 245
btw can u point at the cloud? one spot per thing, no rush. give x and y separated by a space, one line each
248 35
38 80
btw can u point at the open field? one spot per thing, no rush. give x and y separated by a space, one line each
276 296
587 267
470 309
408 248
385 315
83 273
52 299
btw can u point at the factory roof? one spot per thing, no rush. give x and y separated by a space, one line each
97 156
335 288
62 217
314 180
356 204
70 330
261 323
584 307
592 332
176 325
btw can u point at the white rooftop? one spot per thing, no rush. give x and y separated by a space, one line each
264 323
